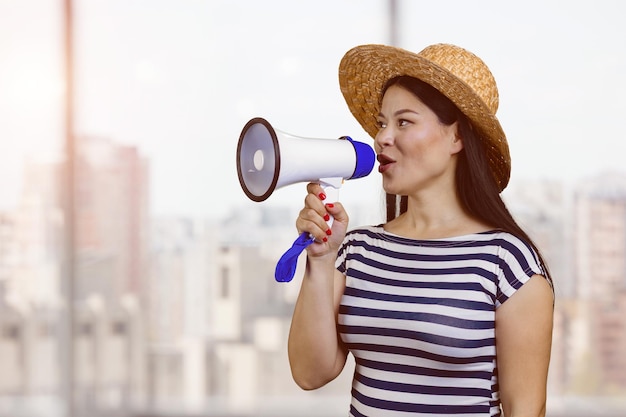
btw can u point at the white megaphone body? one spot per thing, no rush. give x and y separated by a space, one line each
268 159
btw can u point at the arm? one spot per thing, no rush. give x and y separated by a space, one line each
316 354
523 343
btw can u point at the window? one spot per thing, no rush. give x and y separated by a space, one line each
225 283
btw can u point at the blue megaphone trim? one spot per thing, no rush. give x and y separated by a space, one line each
365 158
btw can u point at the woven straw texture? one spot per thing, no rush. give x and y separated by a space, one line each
457 73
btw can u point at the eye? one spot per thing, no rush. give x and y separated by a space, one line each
403 122
381 124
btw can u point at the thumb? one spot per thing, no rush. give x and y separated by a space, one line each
340 224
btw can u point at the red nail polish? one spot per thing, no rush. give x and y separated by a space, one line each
325 239
331 205
327 217
328 232
322 196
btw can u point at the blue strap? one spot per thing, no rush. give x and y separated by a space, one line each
286 266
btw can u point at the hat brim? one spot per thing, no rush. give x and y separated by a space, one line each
365 69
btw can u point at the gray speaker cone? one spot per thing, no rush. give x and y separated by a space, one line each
258 159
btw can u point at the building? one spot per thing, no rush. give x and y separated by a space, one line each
112 219
110 267
600 265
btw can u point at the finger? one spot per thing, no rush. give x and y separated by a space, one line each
314 202
312 222
316 189
338 211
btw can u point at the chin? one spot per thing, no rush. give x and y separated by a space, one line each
393 190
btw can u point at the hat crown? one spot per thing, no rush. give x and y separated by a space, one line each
468 68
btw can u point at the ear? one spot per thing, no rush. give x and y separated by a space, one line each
457 140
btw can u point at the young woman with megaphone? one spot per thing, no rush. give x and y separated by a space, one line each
447 307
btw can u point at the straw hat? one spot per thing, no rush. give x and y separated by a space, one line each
457 73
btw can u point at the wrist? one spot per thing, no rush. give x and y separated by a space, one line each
321 261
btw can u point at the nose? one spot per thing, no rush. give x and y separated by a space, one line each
384 137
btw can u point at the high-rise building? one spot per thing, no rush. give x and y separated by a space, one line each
112 215
178 296
541 208
600 265
111 260
111 253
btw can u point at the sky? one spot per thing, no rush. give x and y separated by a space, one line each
179 79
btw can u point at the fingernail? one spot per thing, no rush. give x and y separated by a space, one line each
331 205
328 232
327 217
325 239
322 196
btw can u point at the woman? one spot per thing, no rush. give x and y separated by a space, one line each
447 307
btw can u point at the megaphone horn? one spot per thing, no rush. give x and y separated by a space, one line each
268 159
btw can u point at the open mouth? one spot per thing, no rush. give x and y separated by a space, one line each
384 162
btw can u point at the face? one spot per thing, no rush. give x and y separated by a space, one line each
415 151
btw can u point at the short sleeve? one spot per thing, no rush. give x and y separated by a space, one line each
518 263
342 255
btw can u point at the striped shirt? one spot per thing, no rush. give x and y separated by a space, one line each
419 318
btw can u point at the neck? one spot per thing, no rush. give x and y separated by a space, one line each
434 215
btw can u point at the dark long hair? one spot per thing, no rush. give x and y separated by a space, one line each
475 185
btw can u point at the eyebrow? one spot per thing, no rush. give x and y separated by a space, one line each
399 112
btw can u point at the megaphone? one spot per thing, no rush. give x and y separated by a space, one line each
268 159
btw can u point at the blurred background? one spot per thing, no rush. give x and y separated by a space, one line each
136 278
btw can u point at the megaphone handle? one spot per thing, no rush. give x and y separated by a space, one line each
332 195
331 188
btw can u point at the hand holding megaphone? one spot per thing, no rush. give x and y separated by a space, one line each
268 159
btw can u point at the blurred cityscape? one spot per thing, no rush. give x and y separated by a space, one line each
181 316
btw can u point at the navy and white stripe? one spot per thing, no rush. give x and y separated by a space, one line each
419 318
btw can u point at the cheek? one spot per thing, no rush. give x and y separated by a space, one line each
419 150
427 156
